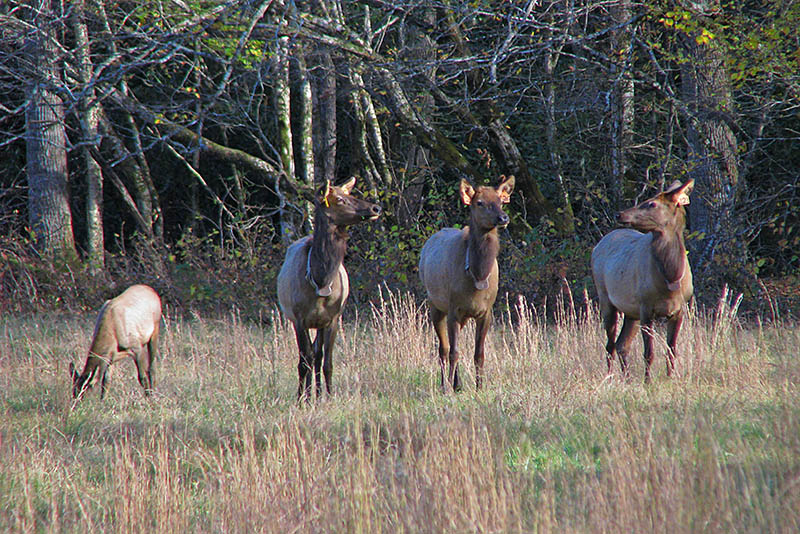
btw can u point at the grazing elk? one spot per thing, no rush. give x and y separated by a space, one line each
313 284
459 271
125 325
645 275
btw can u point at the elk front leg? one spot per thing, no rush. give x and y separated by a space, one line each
305 363
673 327
453 328
318 349
647 340
482 326
624 341
327 361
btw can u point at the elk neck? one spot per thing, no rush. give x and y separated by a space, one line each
328 247
669 251
482 249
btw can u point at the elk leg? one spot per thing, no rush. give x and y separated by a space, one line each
624 341
318 346
103 377
304 366
610 316
453 328
439 320
142 370
647 339
482 326
327 361
673 327
152 355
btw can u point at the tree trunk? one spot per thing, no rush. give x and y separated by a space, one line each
89 134
48 197
325 104
283 114
565 224
304 126
622 106
713 159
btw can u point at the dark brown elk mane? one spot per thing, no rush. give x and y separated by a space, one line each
670 251
328 248
482 253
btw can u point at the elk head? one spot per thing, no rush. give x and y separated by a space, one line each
343 209
660 212
486 203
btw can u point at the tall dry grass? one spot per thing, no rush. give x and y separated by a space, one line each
550 445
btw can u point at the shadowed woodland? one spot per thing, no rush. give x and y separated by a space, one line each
178 143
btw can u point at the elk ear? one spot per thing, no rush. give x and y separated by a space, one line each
680 195
323 191
348 185
467 192
505 188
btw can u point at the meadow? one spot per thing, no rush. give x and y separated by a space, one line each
551 444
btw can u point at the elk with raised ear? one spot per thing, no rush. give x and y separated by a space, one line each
645 275
459 271
126 325
313 284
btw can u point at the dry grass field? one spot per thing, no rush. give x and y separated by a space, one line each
549 445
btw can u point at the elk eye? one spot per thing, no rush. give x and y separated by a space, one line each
479 202
650 205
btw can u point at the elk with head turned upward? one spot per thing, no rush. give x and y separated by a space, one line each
126 325
643 272
459 271
313 284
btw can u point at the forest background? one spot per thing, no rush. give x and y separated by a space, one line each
178 143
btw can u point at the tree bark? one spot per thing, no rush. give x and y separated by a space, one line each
325 126
622 105
89 121
283 114
712 155
304 126
48 196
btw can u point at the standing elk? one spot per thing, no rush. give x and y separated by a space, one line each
645 275
125 325
313 284
459 271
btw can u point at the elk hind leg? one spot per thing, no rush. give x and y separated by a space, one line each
327 356
152 356
143 369
610 316
439 320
